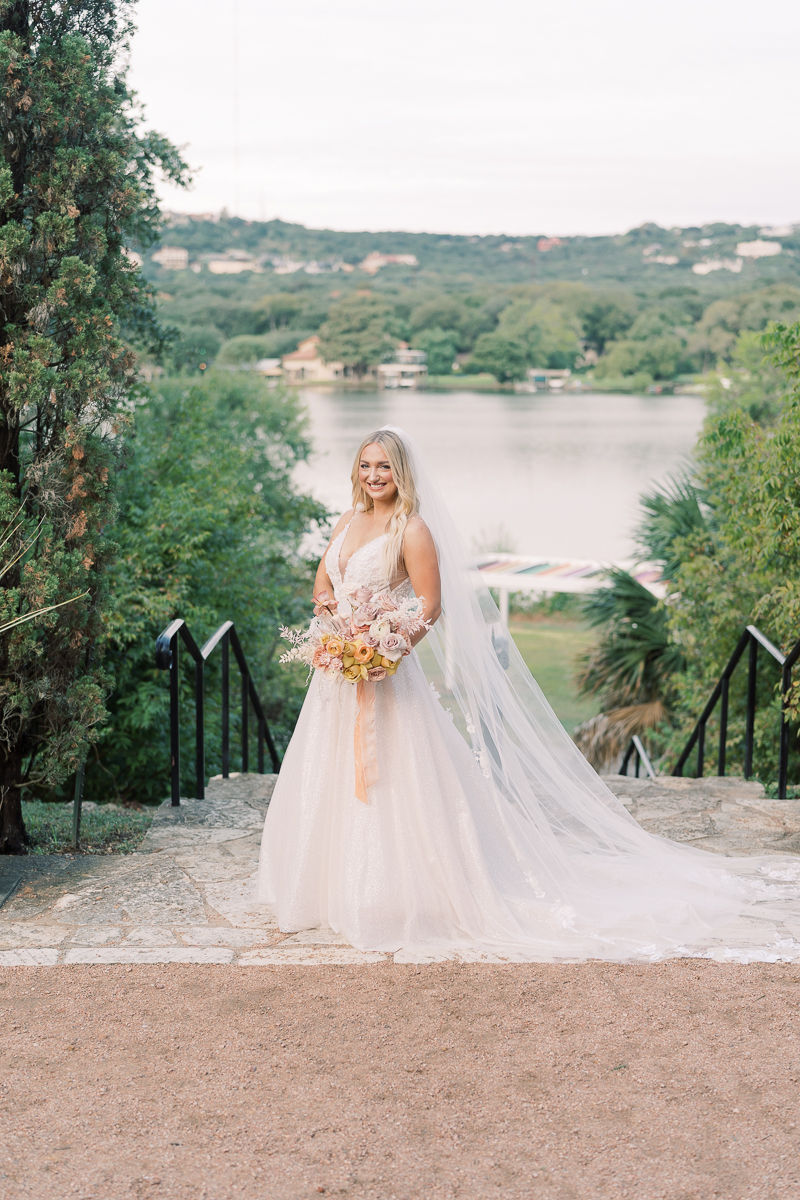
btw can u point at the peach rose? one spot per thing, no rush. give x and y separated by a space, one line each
335 645
362 653
321 658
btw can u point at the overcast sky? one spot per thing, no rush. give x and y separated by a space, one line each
479 116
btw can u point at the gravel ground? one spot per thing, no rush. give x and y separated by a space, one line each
677 1080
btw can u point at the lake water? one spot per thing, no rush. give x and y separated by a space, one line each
541 474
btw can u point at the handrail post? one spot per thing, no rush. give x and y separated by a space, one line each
701 749
245 729
750 724
723 726
226 707
783 764
199 753
174 722
260 746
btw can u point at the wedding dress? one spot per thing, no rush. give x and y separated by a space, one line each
504 846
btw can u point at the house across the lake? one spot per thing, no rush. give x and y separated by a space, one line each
306 364
409 369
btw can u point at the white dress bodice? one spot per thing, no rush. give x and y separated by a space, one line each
364 568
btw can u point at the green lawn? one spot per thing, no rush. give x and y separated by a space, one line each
104 830
550 649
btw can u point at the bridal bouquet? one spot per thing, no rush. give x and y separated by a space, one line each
367 645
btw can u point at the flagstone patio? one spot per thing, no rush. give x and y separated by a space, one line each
186 896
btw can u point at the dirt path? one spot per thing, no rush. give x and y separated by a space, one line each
678 1080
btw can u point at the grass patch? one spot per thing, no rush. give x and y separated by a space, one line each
104 829
550 648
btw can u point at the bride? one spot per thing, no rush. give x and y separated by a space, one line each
481 830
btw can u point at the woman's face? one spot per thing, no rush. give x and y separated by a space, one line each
375 473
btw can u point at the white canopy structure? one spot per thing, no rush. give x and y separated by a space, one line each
544 574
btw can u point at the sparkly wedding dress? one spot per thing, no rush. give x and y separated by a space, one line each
487 833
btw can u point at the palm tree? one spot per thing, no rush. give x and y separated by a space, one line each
634 661
629 668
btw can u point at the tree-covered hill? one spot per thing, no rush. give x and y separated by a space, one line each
635 259
640 309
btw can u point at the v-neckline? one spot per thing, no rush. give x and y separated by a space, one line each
342 573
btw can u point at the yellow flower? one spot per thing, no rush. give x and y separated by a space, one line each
347 660
353 672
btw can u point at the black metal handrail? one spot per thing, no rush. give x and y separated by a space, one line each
167 660
637 751
752 638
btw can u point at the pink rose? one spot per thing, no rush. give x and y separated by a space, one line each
362 595
377 673
363 616
392 646
322 603
368 639
385 603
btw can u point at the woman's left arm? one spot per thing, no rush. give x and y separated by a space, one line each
422 564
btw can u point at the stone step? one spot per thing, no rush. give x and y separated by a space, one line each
727 815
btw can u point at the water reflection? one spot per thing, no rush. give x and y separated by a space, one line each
546 474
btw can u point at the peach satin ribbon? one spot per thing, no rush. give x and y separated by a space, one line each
366 749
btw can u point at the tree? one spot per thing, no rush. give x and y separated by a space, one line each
503 357
440 347
76 184
656 357
277 312
195 348
750 381
210 529
244 350
630 668
549 333
606 317
361 331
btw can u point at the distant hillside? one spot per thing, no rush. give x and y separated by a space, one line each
650 308
648 258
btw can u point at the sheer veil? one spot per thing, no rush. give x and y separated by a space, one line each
611 889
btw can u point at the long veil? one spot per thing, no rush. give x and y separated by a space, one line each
613 889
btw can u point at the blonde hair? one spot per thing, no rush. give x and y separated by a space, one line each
406 502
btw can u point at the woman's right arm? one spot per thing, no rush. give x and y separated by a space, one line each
321 581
